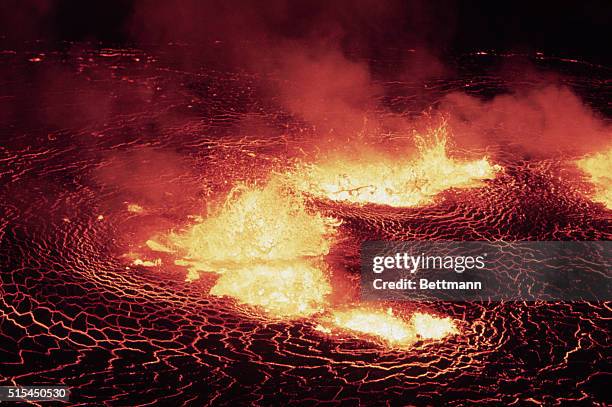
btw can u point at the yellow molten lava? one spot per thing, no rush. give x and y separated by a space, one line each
394 181
256 224
288 289
431 327
392 329
135 208
599 168
268 247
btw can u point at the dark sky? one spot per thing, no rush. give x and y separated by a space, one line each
567 28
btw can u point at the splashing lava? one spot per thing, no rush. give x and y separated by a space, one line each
78 193
270 251
394 181
266 244
599 169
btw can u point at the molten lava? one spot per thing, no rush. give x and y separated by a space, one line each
599 169
283 289
390 328
431 327
392 181
268 247
255 225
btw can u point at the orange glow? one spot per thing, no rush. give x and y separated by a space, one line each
390 328
599 168
265 224
394 181
135 208
254 225
288 289
147 263
268 247
376 323
431 327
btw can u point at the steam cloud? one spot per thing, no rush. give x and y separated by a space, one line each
320 62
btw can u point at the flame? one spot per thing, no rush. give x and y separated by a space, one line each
394 182
599 168
390 328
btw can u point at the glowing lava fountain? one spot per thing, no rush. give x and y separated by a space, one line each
599 169
268 247
391 181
